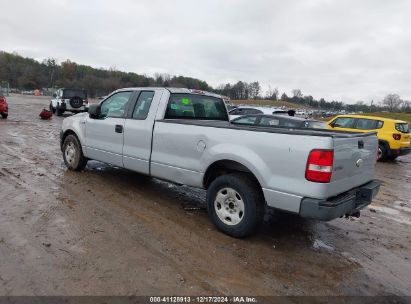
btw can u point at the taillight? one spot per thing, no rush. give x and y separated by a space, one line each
320 166
396 136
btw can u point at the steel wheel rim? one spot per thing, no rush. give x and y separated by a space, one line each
229 206
70 153
379 153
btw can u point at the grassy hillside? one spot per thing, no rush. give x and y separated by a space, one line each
266 103
400 116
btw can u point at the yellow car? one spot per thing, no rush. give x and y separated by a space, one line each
393 135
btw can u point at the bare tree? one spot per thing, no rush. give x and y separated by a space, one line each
392 102
406 105
297 93
272 93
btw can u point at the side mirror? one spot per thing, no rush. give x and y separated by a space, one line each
94 111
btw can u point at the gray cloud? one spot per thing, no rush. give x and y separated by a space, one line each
348 49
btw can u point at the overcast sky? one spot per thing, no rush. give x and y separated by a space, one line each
345 50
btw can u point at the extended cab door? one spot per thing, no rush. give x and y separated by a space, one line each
138 131
105 135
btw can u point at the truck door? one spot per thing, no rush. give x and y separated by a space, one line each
105 135
138 131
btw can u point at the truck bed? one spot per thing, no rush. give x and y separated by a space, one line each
280 130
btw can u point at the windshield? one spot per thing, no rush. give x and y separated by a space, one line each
192 106
402 127
67 94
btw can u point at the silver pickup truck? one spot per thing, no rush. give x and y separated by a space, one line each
185 136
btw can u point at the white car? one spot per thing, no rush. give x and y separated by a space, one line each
245 110
72 100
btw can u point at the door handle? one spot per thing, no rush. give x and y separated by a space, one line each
119 129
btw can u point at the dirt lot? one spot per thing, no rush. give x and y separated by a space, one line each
108 231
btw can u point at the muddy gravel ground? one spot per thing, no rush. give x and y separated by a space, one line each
109 231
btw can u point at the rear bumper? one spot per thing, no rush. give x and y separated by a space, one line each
67 107
347 203
401 151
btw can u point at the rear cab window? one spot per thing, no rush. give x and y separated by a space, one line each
193 106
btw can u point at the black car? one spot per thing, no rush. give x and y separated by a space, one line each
279 121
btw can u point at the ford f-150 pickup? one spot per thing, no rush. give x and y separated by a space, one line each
185 136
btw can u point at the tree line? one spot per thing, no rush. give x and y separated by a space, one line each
28 74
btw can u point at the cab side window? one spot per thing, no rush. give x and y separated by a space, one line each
344 122
115 106
143 105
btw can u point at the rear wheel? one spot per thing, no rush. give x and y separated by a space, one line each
72 154
235 204
382 153
59 111
4 115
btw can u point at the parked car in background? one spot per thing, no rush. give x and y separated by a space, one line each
4 108
393 135
243 110
185 136
230 107
72 100
279 121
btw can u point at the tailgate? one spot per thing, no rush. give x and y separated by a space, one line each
354 161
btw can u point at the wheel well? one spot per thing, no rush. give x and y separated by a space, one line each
67 133
384 143
222 167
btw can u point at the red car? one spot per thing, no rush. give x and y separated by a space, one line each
4 108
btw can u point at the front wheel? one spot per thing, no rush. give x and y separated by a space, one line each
4 115
235 204
72 154
52 109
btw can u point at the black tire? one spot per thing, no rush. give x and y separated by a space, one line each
52 109
73 154
4 115
59 111
392 157
382 153
252 200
